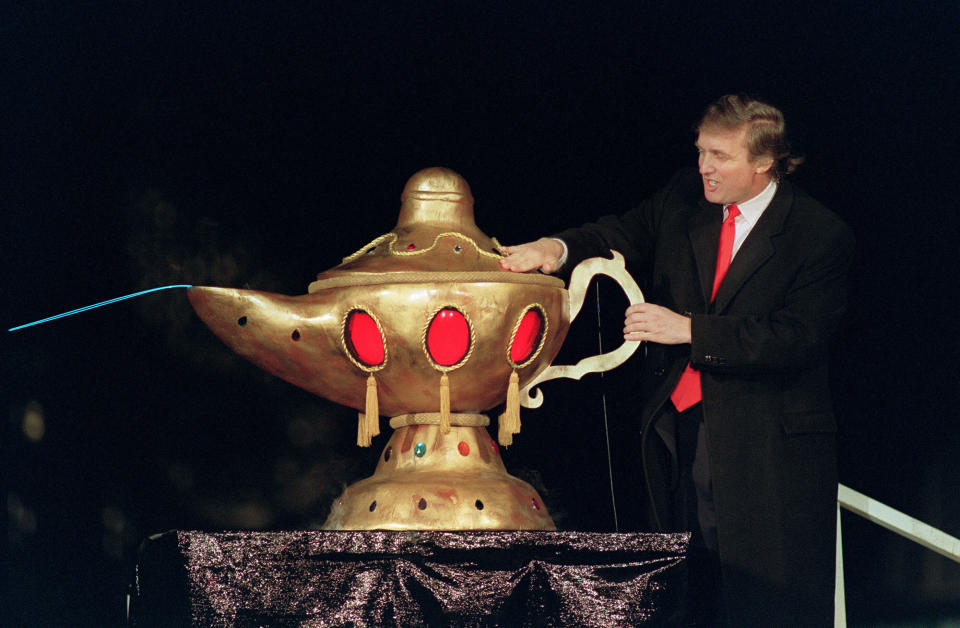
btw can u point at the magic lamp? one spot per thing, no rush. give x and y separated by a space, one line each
423 326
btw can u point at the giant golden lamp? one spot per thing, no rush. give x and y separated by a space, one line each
421 325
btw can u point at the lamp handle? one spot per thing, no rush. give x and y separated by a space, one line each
531 397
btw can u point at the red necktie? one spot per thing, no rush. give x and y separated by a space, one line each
687 393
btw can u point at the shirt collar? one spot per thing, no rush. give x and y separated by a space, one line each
752 208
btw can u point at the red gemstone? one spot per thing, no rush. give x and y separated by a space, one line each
411 246
527 338
463 448
496 448
364 339
448 337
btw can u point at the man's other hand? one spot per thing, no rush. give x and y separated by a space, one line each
544 254
655 323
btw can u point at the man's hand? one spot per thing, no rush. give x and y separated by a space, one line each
655 323
544 254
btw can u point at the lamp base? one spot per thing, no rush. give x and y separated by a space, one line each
428 480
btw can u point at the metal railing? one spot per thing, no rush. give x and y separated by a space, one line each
891 519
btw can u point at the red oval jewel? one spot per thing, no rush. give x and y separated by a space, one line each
363 339
411 246
527 337
448 337
463 448
496 448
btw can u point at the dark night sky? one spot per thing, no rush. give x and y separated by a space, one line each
255 144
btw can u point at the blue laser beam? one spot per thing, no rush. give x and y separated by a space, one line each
101 304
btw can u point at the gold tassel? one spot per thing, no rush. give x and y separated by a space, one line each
368 423
363 436
373 407
444 404
504 437
510 419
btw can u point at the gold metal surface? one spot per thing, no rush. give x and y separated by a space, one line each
317 361
434 258
457 483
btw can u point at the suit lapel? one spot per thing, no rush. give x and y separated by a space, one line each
703 229
757 248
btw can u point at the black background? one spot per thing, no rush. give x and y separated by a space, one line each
255 144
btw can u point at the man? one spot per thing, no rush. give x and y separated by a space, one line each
738 435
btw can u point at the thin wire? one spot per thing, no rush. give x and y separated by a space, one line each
95 305
606 425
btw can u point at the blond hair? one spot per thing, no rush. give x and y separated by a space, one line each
767 134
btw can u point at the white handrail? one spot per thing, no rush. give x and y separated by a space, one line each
904 525
891 519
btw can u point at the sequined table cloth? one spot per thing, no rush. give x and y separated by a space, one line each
410 578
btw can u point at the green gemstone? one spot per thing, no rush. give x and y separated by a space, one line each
419 449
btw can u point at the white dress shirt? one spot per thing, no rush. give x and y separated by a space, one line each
750 212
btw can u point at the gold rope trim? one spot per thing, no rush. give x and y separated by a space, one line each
393 237
543 335
472 276
366 368
433 418
426 350
436 239
368 248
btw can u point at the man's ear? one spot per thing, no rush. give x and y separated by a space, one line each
763 164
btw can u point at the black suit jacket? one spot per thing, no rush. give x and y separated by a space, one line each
761 347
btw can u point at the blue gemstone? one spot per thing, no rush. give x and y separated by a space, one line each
419 449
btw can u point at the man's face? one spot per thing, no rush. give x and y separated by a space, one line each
729 173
